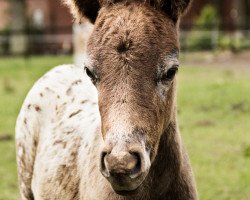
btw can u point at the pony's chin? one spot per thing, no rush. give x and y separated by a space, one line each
127 186
128 192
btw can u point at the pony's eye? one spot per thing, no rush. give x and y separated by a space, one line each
169 75
90 74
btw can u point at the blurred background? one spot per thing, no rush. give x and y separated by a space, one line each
213 92
45 27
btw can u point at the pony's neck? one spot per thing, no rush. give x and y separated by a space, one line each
166 166
170 176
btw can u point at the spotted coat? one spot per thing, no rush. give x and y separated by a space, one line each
57 123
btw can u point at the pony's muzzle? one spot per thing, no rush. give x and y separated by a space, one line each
122 163
124 168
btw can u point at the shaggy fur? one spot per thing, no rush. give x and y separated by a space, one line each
90 8
70 129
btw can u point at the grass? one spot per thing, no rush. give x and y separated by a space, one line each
17 75
214 113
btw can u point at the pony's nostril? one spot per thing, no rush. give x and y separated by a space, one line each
135 171
103 165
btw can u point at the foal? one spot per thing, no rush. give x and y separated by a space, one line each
109 133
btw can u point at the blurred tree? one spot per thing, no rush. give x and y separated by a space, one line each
208 19
18 41
207 23
246 5
228 14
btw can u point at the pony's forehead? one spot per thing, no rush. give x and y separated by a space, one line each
169 58
141 37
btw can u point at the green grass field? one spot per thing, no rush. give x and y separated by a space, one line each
214 118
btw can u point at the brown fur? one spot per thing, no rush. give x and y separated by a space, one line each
130 41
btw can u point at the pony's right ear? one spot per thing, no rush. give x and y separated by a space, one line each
81 9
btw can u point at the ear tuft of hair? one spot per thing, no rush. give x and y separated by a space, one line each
173 8
81 9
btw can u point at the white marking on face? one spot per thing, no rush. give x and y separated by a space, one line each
118 120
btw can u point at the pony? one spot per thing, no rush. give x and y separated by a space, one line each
108 129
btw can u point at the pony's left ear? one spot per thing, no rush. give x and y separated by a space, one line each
83 9
174 8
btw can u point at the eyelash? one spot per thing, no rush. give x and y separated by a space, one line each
91 75
170 74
